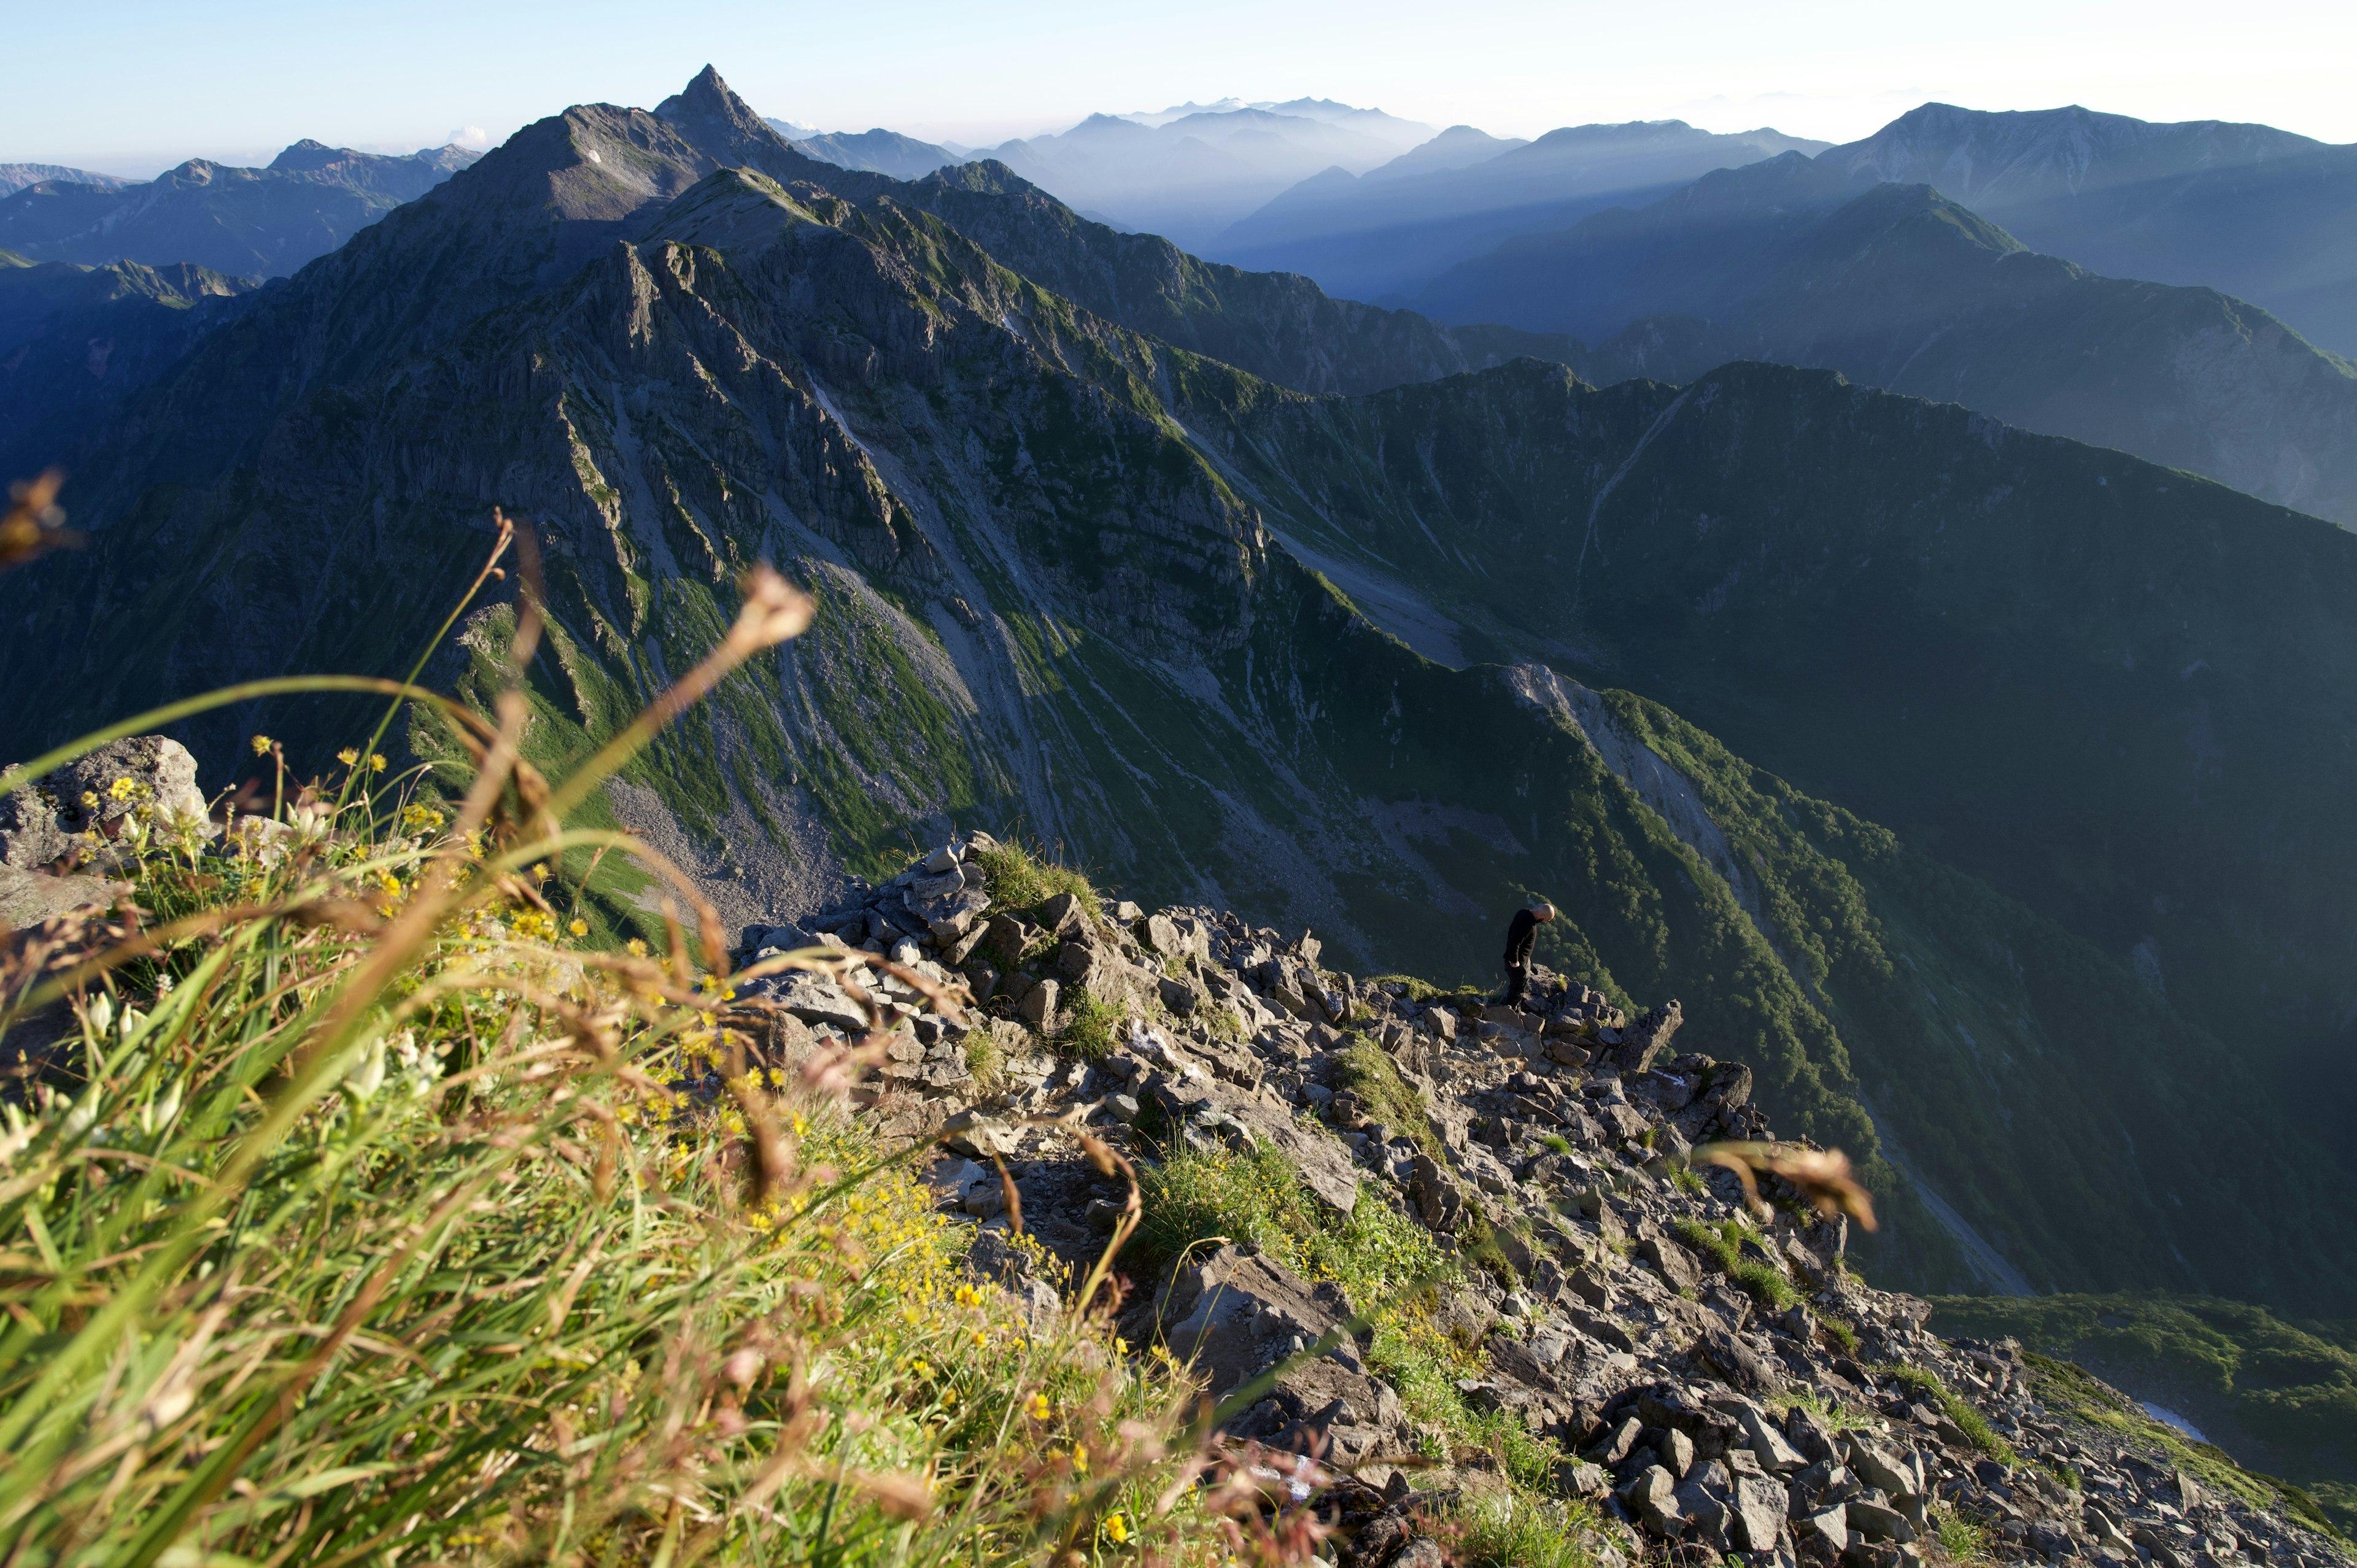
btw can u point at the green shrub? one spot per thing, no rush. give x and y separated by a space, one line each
1505 1528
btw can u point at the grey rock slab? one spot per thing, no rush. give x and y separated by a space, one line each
29 897
1234 1314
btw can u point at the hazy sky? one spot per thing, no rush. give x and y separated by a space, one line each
136 85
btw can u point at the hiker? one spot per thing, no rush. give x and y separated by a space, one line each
1521 937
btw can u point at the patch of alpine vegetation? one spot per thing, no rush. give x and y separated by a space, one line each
1475 1256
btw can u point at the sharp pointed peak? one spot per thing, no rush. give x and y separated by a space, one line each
707 98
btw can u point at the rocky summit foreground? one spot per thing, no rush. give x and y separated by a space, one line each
1713 1382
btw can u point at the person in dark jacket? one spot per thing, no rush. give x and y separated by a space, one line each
1520 938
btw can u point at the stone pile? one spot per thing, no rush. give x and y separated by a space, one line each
1780 1410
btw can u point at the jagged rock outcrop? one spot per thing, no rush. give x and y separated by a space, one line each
1717 1378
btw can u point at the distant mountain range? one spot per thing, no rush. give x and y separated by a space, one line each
2014 857
2257 213
1191 175
1902 287
1382 233
15 177
878 152
243 222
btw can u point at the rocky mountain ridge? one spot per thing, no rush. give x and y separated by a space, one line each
1392 230
1711 1372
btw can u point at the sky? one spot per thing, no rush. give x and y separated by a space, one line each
135 86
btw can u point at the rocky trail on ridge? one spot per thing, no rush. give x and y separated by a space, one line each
1716 1384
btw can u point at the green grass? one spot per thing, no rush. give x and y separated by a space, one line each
1723 1245
372 1219
1415 990
1385 1097
1966 1542
1387 1266
1086 1033
1504 1528
1021 878
1840 1333
1955 1408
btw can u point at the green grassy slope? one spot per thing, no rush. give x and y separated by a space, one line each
2280 1396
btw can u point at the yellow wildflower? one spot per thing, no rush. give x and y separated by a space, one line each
968 1296
579 927
349 756
635 947
1038 1408
1116 1529
123 789
261 745
376 762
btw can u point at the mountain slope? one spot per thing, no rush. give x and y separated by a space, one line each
1279 327
73 338
1393 229
15 177
240 221
2111 690
2250 212
1902 288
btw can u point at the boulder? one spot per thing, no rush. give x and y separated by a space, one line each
1677 1266
150 774
1756 1514
1061 913
1038 1006
1644 1041
1237 1312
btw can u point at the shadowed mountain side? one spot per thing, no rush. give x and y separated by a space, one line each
74 339
1279 326
1902 288
2113 691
